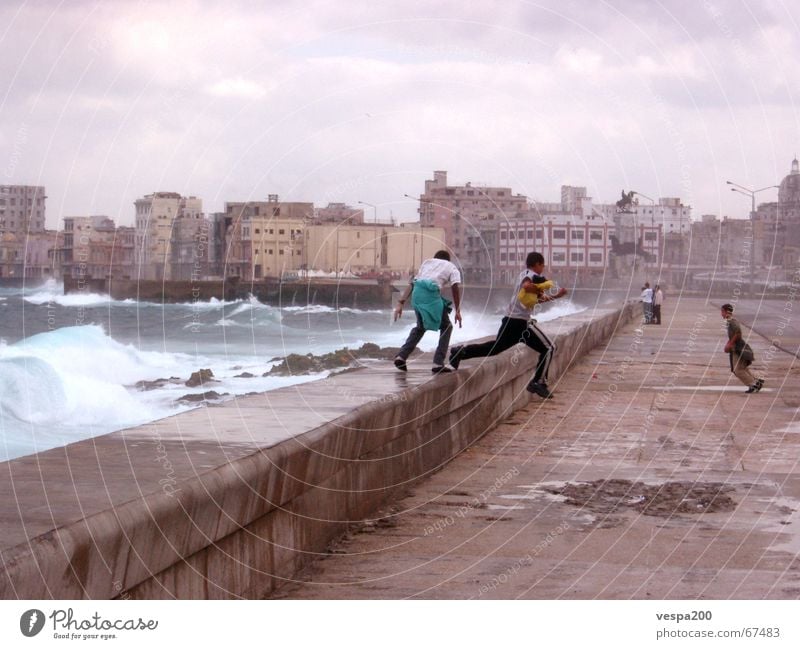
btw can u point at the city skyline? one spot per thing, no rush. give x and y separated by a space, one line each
107 103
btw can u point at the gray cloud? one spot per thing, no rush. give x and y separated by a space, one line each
361 101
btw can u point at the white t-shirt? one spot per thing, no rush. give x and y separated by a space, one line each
441 271
647 296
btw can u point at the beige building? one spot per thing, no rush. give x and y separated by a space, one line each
22 209
191 248
155 215
22 217
262 238
94 248
369 250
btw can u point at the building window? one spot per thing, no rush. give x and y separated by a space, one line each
595 235
281 231
530 234
559 256
576 257
649 236
503 235
596 257
559 234
280 252
577 234
503 256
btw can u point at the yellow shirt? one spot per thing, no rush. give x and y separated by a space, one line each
531 299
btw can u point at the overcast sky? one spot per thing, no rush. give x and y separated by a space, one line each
103 102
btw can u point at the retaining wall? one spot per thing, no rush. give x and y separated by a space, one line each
230 501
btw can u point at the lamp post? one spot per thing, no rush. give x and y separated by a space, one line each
740 189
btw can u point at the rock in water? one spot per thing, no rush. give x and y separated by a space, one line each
199 377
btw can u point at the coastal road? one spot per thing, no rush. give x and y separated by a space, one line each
651 474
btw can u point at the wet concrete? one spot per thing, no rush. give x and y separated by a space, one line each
233 499
651 474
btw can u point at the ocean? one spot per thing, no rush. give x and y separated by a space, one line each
69 364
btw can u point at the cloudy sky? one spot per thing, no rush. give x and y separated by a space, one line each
321 101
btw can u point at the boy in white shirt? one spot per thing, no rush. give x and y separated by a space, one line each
431 309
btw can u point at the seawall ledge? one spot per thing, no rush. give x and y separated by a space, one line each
232 500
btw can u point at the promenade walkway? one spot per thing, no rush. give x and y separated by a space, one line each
650 475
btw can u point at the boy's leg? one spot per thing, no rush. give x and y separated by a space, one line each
742 370
507 337
414 336
537 340
445 331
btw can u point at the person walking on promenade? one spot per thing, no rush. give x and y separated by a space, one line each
740 353
658 300
431 309
517 327
647 304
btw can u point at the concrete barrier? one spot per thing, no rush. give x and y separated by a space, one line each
231 501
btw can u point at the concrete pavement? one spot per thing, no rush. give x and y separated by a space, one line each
650 475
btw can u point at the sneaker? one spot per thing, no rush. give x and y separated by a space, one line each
751 389
441 369
400 364
758 385
455 361
540 389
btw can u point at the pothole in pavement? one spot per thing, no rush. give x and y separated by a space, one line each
665 499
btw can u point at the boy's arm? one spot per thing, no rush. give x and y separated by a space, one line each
529 286
733 336
457 303
398 310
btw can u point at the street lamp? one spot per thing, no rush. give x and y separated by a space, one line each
740 189
374 234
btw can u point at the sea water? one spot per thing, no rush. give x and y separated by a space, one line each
69 364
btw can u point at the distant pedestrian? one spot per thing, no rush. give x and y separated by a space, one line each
431 309
740 353
517 327
647 303
658 300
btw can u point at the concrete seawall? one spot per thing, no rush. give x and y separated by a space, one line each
231 501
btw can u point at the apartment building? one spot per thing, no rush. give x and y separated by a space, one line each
460 209
93 247
155 216
262 238
22 231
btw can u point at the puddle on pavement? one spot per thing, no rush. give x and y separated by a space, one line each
660 499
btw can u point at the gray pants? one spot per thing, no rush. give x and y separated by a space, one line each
741 369
416 334
647 312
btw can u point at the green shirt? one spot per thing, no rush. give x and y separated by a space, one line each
734 328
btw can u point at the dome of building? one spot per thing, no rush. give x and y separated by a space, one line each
789 194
